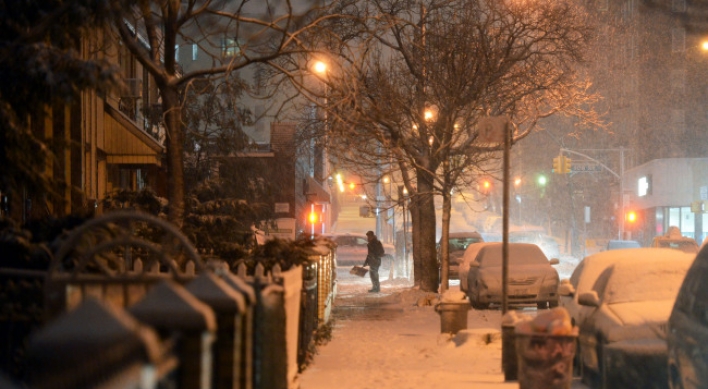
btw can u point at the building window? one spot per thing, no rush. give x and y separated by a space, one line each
195 49
229 47
678 5
132 179
627 10
177 53
678 40
678 81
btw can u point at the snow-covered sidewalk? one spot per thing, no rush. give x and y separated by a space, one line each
386 340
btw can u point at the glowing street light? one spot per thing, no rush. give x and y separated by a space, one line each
320 67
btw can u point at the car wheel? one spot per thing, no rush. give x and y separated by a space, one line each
478 305
542 305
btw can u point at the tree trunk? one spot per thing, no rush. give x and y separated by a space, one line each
175 149
424 254
444 242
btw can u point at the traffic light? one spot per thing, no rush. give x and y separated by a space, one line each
314 214
557 164
562 164
567 164
541 180
313 217
631 217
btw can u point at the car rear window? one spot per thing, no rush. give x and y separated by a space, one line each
460 244
519 254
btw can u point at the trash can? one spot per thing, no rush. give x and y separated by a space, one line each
453 316
545 361
510 364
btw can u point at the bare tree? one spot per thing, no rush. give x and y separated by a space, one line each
233 34
415 82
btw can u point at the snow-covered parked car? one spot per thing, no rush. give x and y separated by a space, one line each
532 279
589 270
688 329
457 244
351 249
622 340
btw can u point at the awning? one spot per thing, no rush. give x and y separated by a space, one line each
125 143
316 192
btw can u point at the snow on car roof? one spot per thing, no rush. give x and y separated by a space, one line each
652 281
519 253
590 268
652 275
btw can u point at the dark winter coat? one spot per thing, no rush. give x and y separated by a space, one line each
375 251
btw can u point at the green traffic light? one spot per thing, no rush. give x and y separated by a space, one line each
542 180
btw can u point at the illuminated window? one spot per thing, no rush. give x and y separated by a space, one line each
195 50
229 47
644 186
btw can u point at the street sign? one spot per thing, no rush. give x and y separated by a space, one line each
585 166
491 129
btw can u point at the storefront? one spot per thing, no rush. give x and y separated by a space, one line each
668 192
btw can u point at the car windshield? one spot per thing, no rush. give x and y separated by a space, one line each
519 254
649 280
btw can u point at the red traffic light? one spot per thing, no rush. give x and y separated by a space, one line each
631 216
314 214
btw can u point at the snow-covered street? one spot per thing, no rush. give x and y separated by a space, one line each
387 340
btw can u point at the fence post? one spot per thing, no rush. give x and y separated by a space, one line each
91 345
173 311
229 307
249 295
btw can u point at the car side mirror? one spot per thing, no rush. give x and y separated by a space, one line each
474 264
566 288
589 299
554 261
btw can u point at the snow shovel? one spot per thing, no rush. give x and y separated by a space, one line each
358 271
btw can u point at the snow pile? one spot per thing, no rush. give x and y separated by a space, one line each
454 296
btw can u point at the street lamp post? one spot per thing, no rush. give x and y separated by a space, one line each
321 69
